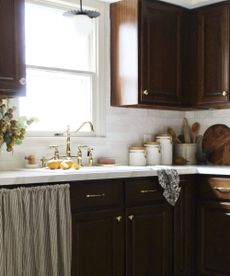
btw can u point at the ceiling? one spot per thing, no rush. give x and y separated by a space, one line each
192 3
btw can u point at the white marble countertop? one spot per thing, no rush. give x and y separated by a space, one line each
43 175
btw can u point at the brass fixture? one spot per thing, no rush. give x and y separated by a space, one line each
95 195
68 150
83 124
131 217
148 191
56 152
90 155
225 93
119 218
145 92
43 162
79 156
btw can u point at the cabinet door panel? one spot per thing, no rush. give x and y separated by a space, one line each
213 55
214 238
98 244
12 61
149 240
184 230
161 53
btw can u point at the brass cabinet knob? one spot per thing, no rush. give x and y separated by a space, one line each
131 217
145 92
22 81
224 93
119 218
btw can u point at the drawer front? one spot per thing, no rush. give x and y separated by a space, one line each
94 194
142 190
214 188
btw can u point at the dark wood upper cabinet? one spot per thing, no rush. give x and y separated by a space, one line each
146 53
12 52
160 54
165 56
212 56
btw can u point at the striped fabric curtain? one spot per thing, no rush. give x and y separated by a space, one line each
35 231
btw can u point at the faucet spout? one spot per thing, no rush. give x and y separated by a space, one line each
85 123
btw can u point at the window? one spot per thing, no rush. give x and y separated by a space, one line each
62 69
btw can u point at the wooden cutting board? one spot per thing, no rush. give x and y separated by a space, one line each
216 143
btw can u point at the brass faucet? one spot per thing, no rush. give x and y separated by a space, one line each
83 124
68 150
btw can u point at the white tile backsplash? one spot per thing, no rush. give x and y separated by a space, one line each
206 118
125 126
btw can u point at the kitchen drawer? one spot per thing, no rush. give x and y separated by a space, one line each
96 194
214 188
143 190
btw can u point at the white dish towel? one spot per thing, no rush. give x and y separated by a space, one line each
35 231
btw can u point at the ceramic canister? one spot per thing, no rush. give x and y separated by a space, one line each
165 141
137 156
153 153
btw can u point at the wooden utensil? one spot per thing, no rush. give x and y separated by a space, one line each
195 129
216 141
173 134
186 131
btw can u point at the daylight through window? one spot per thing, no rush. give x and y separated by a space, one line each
61 69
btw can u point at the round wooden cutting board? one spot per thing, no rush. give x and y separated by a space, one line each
216 143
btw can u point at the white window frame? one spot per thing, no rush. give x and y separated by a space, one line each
99 77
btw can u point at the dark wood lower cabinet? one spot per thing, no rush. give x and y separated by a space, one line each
214 238
98 244
183 237
149 240
130 230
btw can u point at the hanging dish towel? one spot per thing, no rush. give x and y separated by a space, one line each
169 181
35 231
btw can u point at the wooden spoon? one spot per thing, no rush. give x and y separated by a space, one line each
186 131
195 130
173 134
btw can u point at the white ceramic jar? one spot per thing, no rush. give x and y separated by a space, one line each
137 156
165 141
153 153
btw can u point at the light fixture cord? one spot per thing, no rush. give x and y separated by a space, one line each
81 5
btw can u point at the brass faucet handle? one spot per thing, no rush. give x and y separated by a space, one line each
90 155
56 151
43 161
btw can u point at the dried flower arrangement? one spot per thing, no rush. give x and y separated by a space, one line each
12 131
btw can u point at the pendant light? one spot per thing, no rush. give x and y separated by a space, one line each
82 19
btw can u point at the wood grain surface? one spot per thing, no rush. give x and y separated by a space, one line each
216 143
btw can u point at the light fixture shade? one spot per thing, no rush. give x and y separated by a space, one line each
83 24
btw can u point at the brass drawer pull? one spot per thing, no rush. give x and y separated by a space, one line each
145 92
224 93
95 195
131 217
222 189
119 218
22 81
148 191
